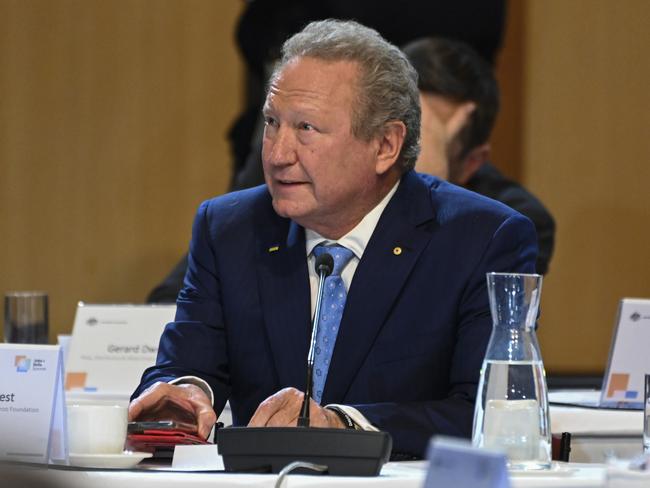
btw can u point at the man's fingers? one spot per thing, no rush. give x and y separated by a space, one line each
206 419
278 409
288 415
186 402
135 409
322 417
265 411
283 419
458 119
164 407
317 415
204 413
147 400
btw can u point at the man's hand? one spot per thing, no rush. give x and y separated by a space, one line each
441 121
283 409
184 403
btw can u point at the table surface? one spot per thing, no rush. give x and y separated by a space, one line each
591 421
398 475
406 474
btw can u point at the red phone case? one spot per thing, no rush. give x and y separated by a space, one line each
150 440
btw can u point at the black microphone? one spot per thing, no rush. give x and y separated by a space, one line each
324 266
344 452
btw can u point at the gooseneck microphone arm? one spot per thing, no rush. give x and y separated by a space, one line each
324 266
345 452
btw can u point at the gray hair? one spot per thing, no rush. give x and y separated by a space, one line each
387 86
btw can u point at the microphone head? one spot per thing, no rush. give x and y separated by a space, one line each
324 264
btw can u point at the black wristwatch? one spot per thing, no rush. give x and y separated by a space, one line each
345 418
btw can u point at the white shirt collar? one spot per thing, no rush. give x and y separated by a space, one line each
357 239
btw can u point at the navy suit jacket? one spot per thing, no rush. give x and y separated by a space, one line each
415 325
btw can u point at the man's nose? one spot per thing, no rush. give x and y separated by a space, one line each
281 148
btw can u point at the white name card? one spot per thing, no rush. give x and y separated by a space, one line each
629 358
112 345
197 458
454 462
32 412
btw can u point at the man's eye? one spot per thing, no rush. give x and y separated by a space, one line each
270 121
306 126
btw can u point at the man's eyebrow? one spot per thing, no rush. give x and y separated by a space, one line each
267 107
305 110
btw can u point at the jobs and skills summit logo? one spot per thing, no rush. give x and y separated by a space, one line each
22 363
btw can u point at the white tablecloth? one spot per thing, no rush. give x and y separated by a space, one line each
397 475
591 421
596 433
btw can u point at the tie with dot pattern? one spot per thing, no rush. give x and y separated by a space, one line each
332 305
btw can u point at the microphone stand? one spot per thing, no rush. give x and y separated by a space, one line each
344 452
324 270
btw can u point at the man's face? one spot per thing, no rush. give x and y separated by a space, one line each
319 174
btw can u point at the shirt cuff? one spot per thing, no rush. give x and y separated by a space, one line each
357 417
194 380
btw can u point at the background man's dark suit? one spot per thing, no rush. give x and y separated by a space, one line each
489 181
415 325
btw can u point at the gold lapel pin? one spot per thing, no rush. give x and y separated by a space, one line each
397 251
274 248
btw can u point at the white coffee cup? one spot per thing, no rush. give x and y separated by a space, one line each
96 429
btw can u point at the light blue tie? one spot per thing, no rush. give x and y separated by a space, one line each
332 306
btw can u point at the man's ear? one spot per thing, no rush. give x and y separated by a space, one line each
390 145
476 158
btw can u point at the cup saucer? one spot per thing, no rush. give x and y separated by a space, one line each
123 460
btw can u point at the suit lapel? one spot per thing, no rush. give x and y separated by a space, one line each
285 298
392 251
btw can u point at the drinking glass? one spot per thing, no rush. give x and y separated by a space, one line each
26 317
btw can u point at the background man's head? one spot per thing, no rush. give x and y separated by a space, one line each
451 73
387 90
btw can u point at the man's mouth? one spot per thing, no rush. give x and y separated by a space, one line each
291 182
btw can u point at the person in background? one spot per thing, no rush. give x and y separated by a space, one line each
406 317
265 24
459 97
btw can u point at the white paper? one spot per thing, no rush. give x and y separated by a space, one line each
197 458
32 413
112 345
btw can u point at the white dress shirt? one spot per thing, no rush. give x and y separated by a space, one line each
356 241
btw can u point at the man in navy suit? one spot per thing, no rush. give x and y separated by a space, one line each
341 139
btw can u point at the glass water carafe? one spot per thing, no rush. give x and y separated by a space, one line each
511 413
